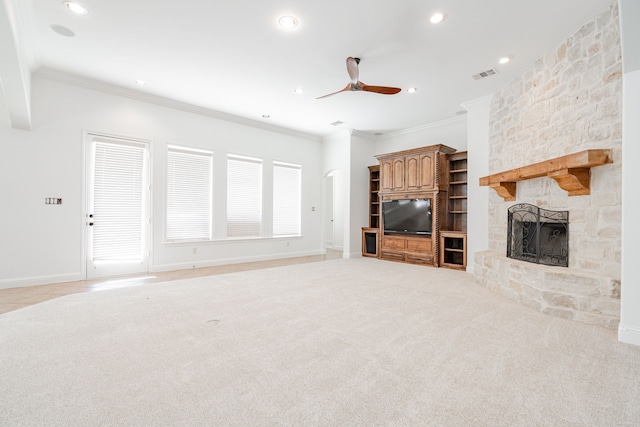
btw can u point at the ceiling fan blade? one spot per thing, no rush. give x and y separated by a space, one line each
356 85
346 88
352 69
384 90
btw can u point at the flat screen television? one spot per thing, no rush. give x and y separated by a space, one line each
408 216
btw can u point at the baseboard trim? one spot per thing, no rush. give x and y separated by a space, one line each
629 334
40 280
225 261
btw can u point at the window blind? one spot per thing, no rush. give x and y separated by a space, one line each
286 199
189 194
118 201
244 196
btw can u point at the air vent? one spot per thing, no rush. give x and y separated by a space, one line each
337 123
485 74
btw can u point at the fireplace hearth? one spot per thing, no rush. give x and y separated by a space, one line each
537 235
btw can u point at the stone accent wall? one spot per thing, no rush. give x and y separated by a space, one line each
569 293
568 101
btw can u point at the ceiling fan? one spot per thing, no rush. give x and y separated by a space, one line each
357 85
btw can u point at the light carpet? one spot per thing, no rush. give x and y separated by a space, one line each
357 342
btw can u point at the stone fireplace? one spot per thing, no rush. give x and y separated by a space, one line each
568 101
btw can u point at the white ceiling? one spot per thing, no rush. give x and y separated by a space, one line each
232 57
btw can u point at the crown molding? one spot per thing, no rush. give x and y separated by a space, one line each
421 128
478 101
100 86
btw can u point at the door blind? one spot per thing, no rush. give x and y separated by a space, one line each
118 201
189 194
286 199
244 196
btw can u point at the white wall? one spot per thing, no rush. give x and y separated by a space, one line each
629 330
362 156
452 133
336 154
5 122
44 243
478 166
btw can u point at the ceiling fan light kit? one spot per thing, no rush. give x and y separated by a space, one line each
356 85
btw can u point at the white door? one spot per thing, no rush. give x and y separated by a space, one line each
329 213
117 216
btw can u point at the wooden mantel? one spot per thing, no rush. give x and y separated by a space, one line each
571 172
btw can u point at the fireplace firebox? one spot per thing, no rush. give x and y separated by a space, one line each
538 235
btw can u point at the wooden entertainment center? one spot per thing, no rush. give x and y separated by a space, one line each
436 173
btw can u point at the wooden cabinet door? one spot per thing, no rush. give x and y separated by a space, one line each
412 167
386 175
420 171
398 174
427 176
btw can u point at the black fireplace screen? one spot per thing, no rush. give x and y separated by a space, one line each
538 235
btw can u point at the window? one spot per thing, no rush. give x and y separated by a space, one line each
286 199
189 194
244 196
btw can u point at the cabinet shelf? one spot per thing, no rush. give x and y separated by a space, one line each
458 212
454 250
370 242
457 197
457 171
458 183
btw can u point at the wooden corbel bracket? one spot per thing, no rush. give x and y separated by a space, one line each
506 190
571 172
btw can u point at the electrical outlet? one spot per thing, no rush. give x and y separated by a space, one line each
52 201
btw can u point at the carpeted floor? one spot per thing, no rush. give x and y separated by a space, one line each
357 342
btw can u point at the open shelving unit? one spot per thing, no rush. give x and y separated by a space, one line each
374 200
370 236
453 249
457 192
453 238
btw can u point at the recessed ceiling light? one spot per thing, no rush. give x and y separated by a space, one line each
505 59
76 8
412 90
298 90
63 31
141 82
288 22
438 17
